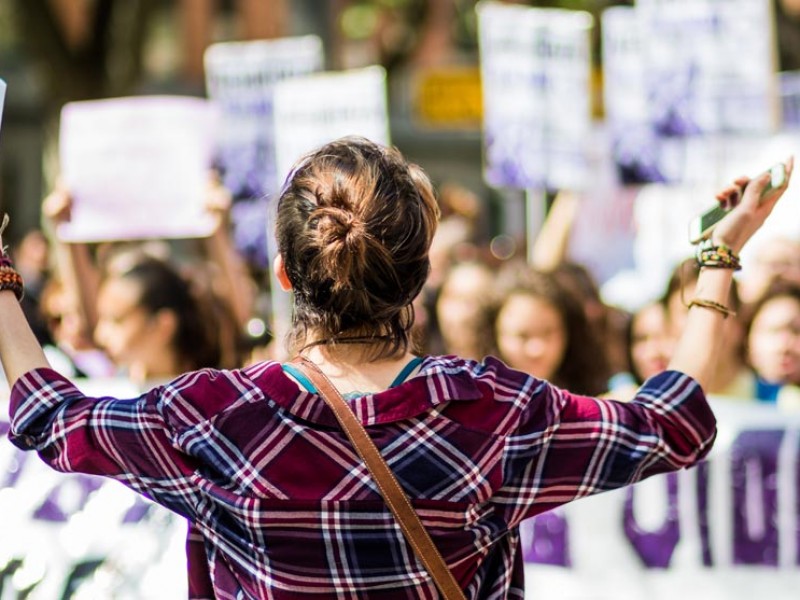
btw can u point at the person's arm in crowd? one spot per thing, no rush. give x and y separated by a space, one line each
74 261
221 251
552 242
698 347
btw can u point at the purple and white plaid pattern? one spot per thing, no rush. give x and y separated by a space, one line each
281 506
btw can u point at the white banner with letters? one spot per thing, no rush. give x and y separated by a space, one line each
137 167
241 79
670 74
535 74
311 111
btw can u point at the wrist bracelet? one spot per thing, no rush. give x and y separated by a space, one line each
717 256
710 304
9 278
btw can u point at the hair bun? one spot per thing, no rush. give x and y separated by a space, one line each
338 225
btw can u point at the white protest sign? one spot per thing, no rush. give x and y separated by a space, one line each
82 536
311 111
639 153
137 167
535 72
240 77
711 65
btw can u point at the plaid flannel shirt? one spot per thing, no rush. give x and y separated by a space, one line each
280 505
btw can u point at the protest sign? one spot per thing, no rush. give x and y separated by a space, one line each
137 167
313 110
535 74
669 77
240 78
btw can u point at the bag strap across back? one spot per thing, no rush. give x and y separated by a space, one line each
387 483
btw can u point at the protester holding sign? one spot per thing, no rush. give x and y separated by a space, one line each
254 458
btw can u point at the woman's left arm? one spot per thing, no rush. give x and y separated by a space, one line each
20 351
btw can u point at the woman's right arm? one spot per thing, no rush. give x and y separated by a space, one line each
698 348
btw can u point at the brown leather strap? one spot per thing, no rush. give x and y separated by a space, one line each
390 489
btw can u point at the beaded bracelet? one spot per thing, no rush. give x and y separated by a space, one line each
720 308
9 278
717 256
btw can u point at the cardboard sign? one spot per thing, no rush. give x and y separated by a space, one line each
311 111
137 167
536 77
241 77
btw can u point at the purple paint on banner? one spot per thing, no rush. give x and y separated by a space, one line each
655 548
52 508
701 473
14 468
544 540
754 474
137 512
797 503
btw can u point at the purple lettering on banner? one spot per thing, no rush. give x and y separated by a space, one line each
52 509
655 548
701 472
544 540
797 503
14 469
754 475
137 512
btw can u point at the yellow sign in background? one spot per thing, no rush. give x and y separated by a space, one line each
449 98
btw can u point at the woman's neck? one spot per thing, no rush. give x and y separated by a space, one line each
156 368
348 370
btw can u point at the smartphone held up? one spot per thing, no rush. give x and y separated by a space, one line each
701 226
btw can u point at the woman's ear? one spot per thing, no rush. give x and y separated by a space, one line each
280 273
166 323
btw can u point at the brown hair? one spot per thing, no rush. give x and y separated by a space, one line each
354 225
584 368
778 287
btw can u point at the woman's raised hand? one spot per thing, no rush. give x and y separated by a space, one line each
57 206
749 209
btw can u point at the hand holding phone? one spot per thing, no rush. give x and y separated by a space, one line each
701 226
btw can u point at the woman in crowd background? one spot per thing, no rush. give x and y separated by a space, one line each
542 329
773 343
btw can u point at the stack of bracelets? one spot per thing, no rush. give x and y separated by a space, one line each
9 278
715 257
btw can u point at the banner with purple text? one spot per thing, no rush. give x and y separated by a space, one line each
728 528
669 76
535 74
241 79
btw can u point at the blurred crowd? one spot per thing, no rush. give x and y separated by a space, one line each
151 310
